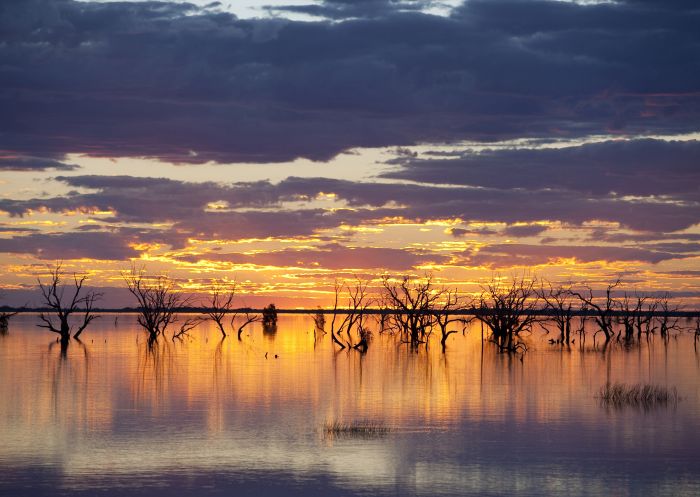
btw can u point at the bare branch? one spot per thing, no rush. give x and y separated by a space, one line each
62 308
157 299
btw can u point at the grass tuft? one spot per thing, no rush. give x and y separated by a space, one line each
355 429
621 395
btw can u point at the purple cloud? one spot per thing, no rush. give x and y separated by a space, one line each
188 84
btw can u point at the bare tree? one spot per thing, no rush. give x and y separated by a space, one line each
445 314
354 316
337 287
248 318
64 303
666 319
186 326
359 302
560 309
5 320
604 312
319 321
508 311
411 307
630 309
220 304
158 303
644 318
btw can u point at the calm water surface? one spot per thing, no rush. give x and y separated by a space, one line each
208 417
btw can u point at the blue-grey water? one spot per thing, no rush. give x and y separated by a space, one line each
210 417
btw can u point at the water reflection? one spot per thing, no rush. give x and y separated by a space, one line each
115 412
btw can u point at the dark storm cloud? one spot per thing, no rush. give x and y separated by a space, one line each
33 164
510 255
80 245
420 203
182 83
462 232
634 167
261 209
347 9
523 231
330 256
254 209
4 228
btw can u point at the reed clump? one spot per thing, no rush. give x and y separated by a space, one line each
620 395
355 429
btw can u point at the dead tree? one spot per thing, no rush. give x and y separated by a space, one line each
629 309
319 321
248 318
666 319
508 311
359 302
354 316
158 304
186 326
5 321
336 324
559 307
219 305
644 317
445 314
411 307
64 303
604 313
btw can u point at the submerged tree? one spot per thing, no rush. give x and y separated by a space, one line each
248 316
559 307
445 314
319 321
354 316
158 303
508 311
644 317
65 301
5 321
269 317
604 312
220 306
410 305
359 301
337 324
666 316
630 312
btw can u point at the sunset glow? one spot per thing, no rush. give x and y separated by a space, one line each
317 248
362 161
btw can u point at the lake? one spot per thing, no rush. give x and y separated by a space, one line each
204 416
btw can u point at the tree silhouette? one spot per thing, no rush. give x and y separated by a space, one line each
64 303
158 303
508 311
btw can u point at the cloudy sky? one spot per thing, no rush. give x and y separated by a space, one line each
287 143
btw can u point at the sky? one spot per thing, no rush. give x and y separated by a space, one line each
285 144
